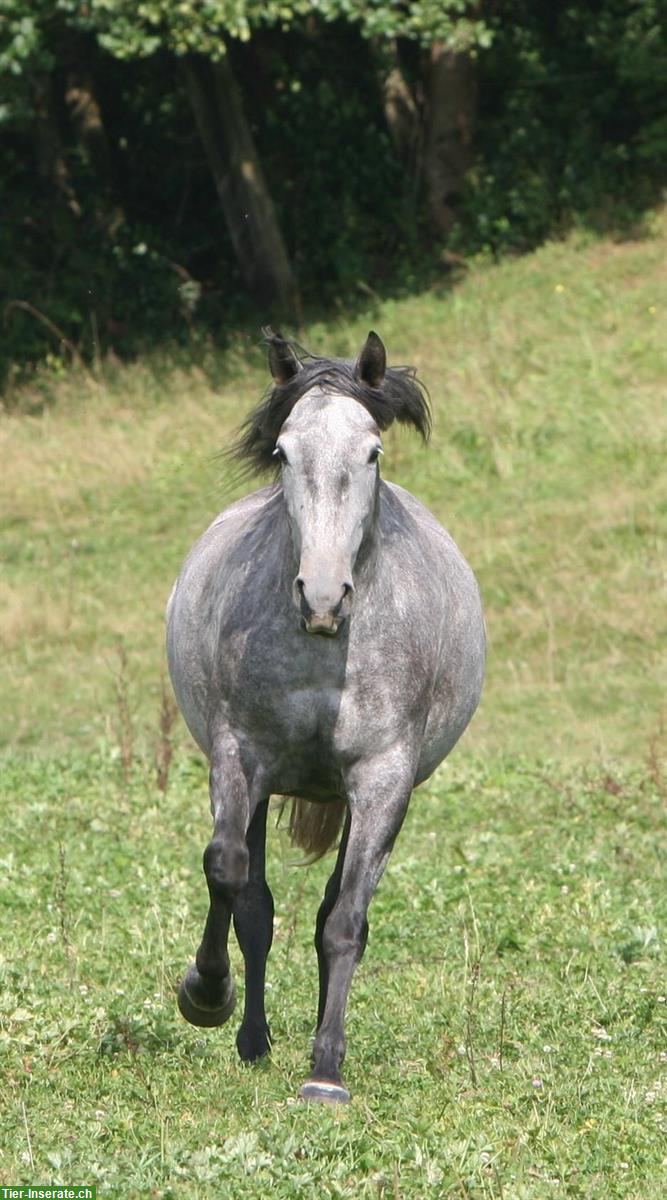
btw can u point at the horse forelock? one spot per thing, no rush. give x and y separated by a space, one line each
401 397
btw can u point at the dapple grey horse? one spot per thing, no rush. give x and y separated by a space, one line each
326 643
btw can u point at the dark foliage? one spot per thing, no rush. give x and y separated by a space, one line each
571 123
571 127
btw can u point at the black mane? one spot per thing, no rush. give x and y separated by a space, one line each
401 397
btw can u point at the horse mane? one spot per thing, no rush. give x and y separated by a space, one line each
401 397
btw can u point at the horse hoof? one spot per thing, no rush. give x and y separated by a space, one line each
321 1091
253 1043
205 1003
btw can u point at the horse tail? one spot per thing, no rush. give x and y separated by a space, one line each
314 827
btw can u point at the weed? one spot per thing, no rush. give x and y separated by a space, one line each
473 966
60 896
124 721
164 742
24 1114
655 757
501 1031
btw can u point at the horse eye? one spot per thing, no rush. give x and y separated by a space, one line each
279 453
375 454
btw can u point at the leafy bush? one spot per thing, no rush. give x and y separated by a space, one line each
571 125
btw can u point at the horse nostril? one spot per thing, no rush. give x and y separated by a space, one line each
348 591
299 592
318 601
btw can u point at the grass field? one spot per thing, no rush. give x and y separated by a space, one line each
504 1032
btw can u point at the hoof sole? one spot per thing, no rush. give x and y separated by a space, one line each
204 1015
320 1091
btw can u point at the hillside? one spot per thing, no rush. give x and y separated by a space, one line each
547 464
506 1028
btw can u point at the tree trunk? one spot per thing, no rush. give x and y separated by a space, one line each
87 120
448 142
401 111
86 117
247 206
49 151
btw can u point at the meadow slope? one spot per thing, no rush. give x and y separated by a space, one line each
506 1028
547 376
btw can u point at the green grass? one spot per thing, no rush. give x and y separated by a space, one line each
504 1032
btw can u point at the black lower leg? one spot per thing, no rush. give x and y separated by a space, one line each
206 996
253 924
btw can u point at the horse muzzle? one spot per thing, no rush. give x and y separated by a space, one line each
326 626
321 617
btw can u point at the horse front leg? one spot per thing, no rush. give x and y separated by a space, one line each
253 924
207 995
331 893
378 804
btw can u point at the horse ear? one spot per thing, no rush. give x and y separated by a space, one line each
283 362
372 362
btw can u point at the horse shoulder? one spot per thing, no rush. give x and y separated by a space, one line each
223 536
423 544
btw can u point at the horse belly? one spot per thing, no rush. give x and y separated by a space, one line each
455 698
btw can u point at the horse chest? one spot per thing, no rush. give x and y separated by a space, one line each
314 707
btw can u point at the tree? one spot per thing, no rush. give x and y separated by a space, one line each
448 34
430 107
247 205
39 39
182 145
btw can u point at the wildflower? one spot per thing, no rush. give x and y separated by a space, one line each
560 287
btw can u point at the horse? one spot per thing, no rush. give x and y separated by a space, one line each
326 645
